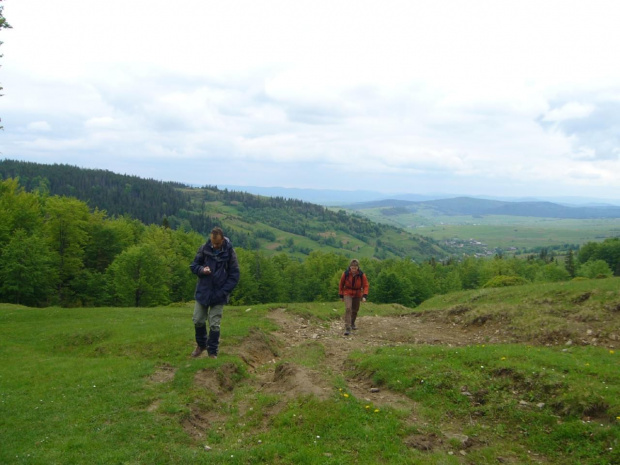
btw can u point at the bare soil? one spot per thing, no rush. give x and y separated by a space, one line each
272 359
373 331
267 358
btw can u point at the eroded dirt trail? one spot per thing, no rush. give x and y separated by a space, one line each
276 362
373 331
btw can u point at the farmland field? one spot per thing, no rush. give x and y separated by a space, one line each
504 231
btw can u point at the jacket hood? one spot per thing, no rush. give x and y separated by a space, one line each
226 245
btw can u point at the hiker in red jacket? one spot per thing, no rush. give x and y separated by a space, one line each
353 290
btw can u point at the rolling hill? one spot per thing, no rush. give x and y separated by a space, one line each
483 207
271 224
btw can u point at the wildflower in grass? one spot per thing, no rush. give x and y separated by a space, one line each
376 410
612 352
346 395
368 406
503 358
587 364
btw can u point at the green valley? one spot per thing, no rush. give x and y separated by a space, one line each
455 228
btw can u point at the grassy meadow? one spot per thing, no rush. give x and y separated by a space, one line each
117 385
504 231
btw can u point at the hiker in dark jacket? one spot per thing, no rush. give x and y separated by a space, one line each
353 289
217 269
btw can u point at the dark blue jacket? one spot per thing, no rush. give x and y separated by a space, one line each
214 288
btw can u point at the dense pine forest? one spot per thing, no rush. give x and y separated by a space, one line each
147 200
59 250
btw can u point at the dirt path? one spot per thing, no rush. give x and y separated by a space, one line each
273 359
373 331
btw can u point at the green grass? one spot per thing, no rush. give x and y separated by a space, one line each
81 386
548 313
563 405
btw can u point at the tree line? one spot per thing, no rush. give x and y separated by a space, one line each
147 200
54 250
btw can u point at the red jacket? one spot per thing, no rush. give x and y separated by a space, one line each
353 285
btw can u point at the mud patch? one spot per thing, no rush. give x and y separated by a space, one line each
424 442
154 406
258 348
293 381
459 310
364 389
163 374
582 298
196 425
613 307
220 380
480 320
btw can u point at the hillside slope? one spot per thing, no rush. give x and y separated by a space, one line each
271 224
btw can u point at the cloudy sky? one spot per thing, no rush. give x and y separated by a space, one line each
504 98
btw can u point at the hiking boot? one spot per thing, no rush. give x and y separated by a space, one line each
212 356
347 331
353 327
213 341
197 351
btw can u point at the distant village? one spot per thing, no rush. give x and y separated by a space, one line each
475 247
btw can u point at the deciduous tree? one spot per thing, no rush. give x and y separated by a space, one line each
26 272
137 277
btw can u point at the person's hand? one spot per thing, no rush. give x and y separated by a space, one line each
206 270
363 299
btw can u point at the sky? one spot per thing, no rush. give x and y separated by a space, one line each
493 97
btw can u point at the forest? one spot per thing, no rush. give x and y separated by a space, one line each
250 218
56 250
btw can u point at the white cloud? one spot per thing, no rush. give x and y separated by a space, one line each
39 126
402 95
100 122
571 110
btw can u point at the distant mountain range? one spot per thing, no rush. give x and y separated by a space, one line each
334 197
483 207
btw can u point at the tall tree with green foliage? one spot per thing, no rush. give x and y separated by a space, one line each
391 287
552 272
107 238
595 269
138 276
570 265
66 228
587 251
317 281
608 250
18 210
27 275
246 292
176 249
469 271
